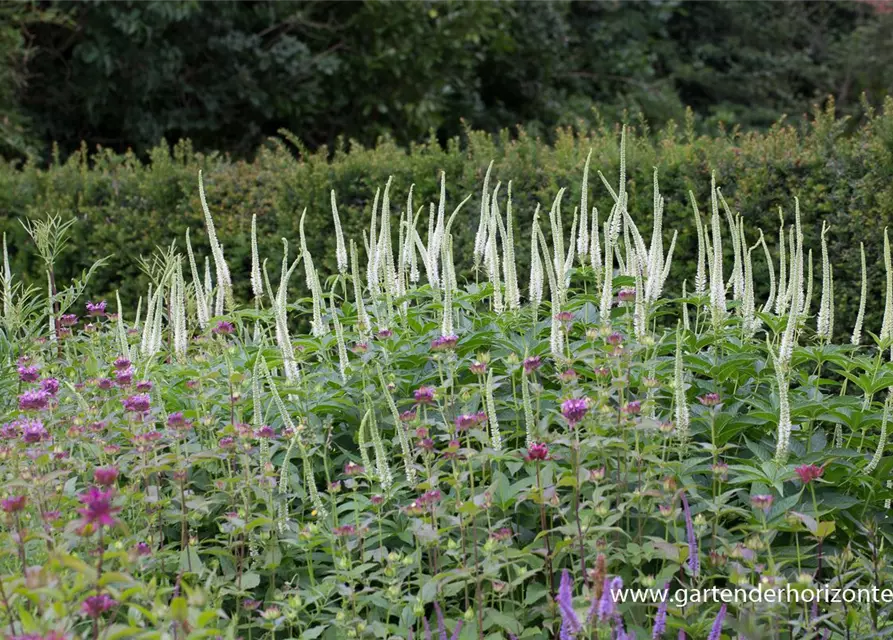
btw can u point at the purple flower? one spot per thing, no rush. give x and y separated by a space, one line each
537 451
615 339
223 328
95 606
98 507
68 320
763 502
50 385
29 373
570 623
717 624
136 404
124 377
444 343
143 549
13 504
607 608
465 421
122 363
478 368
35 400
96 309
660 620
709 399
632 408
424 395
265 432
33 431
104 383
693 560
144 386
626 295
226 442
532 363
809 472
105 476
384 334
574 410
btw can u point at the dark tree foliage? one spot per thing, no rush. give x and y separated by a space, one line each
228 74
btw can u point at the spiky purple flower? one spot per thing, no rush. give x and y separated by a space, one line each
716 630
693 560
660 619
68 320
570 623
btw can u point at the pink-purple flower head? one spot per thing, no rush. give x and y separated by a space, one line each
139 403
532 363
224 328
444 343
95 606
614 339
104 383
265 432
424 395
465 421
96 308
98 509
122 363
384 333
29 373
762 501
144 386
632 408
809 472
13 504
124 377
478 368
626 295
50 385
574 410
354 469
709 399
566 318
537 451
105 476
68 320
33 431
34 400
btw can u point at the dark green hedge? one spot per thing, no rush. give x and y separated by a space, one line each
126 207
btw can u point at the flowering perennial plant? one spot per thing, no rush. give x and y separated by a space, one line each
411 451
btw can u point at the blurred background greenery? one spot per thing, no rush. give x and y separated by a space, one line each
228 74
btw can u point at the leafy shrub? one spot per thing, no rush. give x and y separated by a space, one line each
442 454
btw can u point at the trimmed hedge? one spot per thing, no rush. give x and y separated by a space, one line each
127 207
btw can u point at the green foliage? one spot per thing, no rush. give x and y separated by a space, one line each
127 207
227 74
